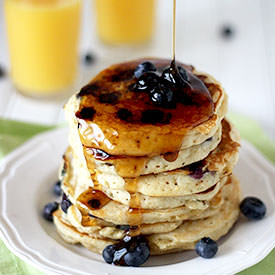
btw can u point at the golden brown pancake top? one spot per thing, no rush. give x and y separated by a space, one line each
149 129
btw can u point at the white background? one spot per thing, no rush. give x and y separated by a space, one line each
245 63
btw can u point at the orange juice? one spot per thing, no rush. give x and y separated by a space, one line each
43 39
125 21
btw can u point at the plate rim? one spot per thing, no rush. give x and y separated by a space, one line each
24 253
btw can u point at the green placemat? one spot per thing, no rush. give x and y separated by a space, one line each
14 133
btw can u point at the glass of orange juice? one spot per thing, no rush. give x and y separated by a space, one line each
43 43
125 21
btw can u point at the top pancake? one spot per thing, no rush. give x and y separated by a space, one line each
100 127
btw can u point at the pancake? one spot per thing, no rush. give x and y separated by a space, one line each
102 129
117 213
79 218
182 238
126 166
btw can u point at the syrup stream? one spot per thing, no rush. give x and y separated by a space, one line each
174 31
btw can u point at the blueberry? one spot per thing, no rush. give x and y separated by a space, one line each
89 58
124 114
206 248
143 68
146 82
108 253
94 203
65 203
119 256
128 239
196 170
172 76
162 95
57 188
131 251
253 208
49 209
175 76
64 169
183 73
137 257
93 89
124 227
110 98
152 116
86 113
158 96
227 31
2 72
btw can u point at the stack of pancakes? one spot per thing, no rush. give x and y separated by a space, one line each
135 168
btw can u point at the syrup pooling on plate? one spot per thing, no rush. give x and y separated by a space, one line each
120 121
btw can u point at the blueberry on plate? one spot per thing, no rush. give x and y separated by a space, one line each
57 188
65 203
146 82
49 209
138 256
131 251
143 68
108 253
206 248
119 256
253 208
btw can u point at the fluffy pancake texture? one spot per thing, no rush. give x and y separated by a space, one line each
180 236
178 182
169 180
135 166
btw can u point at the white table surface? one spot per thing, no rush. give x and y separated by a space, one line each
244 64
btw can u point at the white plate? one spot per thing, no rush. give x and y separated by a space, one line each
27 176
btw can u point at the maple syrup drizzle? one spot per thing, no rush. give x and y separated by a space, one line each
93 199
133 167
174 31
134 214
125 166
131 184
171 156
88 220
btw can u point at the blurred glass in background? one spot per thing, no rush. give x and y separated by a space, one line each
43 44
124 21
